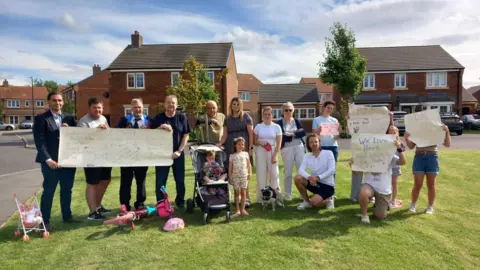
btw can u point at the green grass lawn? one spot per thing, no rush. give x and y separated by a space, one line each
471 131
287 238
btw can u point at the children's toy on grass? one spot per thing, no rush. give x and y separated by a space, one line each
30 219
131 216
166 210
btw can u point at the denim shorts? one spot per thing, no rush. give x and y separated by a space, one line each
426 164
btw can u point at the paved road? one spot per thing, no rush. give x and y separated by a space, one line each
18 173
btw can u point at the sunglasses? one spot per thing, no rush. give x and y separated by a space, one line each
288 110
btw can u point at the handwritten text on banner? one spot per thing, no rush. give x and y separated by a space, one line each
365 119
95 147
372 152
425 128
329 129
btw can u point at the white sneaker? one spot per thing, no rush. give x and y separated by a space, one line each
331 204
287 198
304 205
429 210
412 208
372 200
365 219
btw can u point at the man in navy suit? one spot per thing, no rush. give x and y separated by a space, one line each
46 133
134 120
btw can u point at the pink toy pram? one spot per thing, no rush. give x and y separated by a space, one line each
28 227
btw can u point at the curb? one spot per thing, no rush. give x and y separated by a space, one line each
25 142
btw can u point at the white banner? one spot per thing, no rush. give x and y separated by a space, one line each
114 147
365 119
372 152
425 128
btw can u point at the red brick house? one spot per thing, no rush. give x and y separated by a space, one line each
17 102
469 102
411 78
304 97
96 85
475 92
146 70
325 91
248 86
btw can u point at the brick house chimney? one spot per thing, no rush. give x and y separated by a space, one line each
137 40
96 69
5 83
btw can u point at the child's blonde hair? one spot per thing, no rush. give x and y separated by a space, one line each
210 154
236 141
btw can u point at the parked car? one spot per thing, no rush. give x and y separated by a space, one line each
5 126
471 121
453 122
399 121
26 124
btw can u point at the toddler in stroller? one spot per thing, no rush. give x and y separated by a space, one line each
213 172
30 219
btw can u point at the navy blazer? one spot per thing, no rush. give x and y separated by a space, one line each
299 134
47 135
125 123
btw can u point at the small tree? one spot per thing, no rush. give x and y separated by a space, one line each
194 87
37 82
68 106
51 85
343 67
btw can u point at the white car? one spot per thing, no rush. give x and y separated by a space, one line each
5 126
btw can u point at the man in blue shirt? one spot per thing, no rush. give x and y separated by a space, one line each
177 123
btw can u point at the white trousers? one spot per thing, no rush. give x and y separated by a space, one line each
266 170
291 155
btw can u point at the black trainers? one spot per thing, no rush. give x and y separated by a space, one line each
139 206
102 209
95 216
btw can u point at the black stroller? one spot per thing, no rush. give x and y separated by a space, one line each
211 205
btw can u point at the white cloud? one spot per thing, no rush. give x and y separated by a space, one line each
68 21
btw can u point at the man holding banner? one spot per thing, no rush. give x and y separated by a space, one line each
424 130
329 130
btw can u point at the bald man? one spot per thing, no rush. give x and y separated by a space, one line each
211 131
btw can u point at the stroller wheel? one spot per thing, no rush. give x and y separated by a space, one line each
206 218
17 234
190 205
25 238
227 215
46 234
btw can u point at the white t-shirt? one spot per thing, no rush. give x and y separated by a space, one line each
322 166
90 122
381 182
268 133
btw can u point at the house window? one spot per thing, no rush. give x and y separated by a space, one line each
322 97
145 111
369 81
444 109
28 117
13 104
127 109
27 103
277 114
245 96
211 75
311 113
437 79
135 81
13 119
401 80
40 103
174 78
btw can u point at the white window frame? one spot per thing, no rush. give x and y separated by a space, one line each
371 79
10 117
40 102
322 97
27 103
309 113
128 107
278 112
399 76
243 98
135 81
433 80
172 80
13 103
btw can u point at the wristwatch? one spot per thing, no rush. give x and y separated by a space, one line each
399 150
318 178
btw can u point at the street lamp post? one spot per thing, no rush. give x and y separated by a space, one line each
33 102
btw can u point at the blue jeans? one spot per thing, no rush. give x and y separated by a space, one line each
161 176
51 177
334 150
426 164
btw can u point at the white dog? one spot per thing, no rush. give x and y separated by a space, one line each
271 196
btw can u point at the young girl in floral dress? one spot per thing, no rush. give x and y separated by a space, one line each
240 171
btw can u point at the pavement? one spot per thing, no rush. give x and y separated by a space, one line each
20 175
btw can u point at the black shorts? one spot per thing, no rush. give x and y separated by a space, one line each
95 175
323 190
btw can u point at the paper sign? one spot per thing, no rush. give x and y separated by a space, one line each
329 129
365 119
425 128
372 152
95 147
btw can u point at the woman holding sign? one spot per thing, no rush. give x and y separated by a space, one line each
425 163
329 130
293 148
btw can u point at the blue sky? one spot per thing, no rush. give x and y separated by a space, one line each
278 41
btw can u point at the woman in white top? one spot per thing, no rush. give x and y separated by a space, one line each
321 181
268 138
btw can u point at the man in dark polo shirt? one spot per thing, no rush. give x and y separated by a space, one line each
171 120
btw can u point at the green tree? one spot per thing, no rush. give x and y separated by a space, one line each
194 87
343 66
2 108
37 82
68 106
70 83
51 85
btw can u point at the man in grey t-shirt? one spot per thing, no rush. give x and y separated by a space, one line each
97 178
